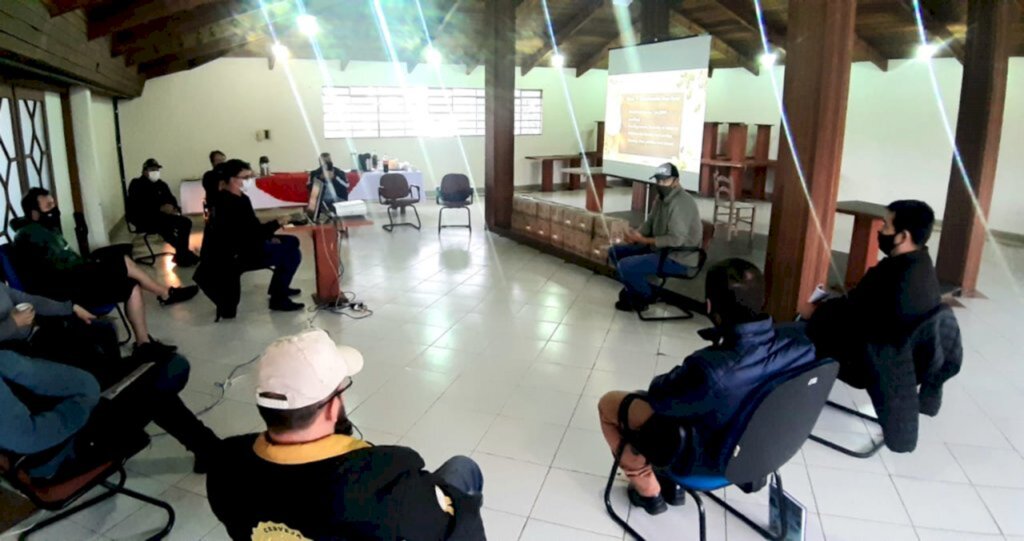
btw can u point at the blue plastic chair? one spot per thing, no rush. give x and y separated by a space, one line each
767 432
11 277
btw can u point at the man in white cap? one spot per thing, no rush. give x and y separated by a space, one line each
306 477
673 223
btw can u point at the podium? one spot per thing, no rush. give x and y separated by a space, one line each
327 260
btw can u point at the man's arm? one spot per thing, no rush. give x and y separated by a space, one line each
25 431
682 392
42 305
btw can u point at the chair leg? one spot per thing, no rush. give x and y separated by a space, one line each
867 453
687 314
419 224
608 495
469 219
747 520
391 222
703 522
440 217
127 328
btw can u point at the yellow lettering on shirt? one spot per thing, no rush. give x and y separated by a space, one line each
271 531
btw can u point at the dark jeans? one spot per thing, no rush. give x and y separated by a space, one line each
462 473
282 252
634 263
173 228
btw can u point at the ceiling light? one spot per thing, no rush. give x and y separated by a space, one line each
307 24
768 59
433 56
280 51
926 51
558 61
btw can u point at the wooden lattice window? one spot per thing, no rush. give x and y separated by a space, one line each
25 160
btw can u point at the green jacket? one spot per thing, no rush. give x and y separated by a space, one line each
675 222
45 244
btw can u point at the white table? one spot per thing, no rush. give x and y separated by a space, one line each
191 195
369 183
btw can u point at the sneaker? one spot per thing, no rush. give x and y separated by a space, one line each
285 305
186 259
153 350
179 294
654 505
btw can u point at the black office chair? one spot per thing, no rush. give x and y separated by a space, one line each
767 432
664 275
924 351
395 193
150 259
61 494
455 192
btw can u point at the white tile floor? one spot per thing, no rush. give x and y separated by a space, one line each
483 347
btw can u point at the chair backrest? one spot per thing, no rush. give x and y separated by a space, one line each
723 190
707 233
394 186
455 188
10 274
776 420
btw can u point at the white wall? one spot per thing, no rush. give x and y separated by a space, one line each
895 145
181 117
59 160
111 196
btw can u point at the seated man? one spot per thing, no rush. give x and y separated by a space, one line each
673 223
54 416
706 390
211 178
307 475
50 268
235 241
335 181
890 300
153 209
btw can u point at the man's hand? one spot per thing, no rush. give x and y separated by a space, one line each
24 318
168 208
633 236
83 314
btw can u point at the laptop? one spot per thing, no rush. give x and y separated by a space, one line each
315 205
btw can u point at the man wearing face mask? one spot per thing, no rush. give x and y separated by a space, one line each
152 208
889 301
674 222
334 180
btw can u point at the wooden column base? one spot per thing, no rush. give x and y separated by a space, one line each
863 248
595 193
547 175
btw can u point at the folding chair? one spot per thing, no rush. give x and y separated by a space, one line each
60 495
150 259
455 193
691 272
395 193
767 432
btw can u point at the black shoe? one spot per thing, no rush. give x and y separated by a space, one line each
153 350
186 259
291 292
671 492
179 294
284 304
654 505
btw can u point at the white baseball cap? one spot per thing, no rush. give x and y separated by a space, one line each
303 369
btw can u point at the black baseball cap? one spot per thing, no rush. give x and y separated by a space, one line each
152 163
665 170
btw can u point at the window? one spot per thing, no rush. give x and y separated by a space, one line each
24 150
373 111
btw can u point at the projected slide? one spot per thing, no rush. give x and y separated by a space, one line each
655 105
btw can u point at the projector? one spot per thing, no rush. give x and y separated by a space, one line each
343 209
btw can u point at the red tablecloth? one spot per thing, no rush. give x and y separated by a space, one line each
291 187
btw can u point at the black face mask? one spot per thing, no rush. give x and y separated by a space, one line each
50 220
664 191
886 243
328 165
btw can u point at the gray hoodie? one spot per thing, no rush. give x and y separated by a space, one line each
9 298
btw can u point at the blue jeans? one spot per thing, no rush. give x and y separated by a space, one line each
634 263
285 257
462 473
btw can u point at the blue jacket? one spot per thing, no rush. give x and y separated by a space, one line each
42 404
710 386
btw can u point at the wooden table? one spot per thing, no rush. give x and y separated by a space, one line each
547 170
868 220
758 191
595 197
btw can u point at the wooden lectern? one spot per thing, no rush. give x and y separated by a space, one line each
327 260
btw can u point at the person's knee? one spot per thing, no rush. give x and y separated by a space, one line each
173 375
608 405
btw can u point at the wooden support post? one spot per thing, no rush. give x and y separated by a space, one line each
599 151
654 19
736 151
708 150
761 146
978 130
819 52
547 175
595 193
499 119
574 179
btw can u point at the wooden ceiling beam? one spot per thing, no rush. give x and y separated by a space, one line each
722 46
56 8
563 32
180 64
937 29
179 45
743 12
106 20
197 55
153 33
